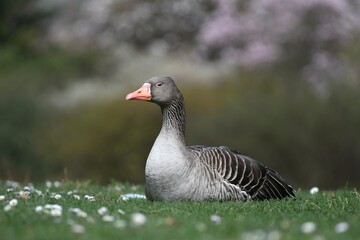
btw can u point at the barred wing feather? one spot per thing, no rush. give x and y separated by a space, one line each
258 181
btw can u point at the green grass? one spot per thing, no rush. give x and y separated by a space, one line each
175 220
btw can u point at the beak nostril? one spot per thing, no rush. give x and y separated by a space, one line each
142 93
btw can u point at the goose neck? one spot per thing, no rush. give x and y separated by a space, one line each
174 121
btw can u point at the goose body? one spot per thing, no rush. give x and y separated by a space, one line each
175 171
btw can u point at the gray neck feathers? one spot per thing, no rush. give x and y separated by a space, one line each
174 117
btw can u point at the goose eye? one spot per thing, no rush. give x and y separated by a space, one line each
158 84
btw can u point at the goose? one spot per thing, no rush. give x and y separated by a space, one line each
176 172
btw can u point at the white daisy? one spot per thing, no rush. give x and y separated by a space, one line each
308 227
138 219
55 212
57 196
13 202
122 212
103 211
341 227
215 219
77 228
57 184
120 223
39 209
7 208
108 218
89 198
314 190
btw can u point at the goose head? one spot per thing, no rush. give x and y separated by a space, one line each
160 90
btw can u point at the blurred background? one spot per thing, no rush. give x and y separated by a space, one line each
278 80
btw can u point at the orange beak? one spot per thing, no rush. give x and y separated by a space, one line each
143 93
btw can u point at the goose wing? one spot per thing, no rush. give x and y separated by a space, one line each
238 169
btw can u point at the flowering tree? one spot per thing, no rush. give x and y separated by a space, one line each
308 34
307 37
139 23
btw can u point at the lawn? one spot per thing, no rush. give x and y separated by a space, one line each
82 210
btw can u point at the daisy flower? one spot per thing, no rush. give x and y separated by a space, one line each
108 218
103 211
89 198
120 223
13 202
314 190
7 208
55 212
77 228
341 227
308 227
57 196
120 211
39 209
138 219
215 219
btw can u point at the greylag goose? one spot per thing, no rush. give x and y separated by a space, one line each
175 171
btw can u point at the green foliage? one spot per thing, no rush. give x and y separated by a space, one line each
100 142
25 82
21 23
48 70
18 115
175 220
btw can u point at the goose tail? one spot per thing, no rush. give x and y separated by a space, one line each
274 187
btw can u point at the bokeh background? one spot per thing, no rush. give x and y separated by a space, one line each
278 80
